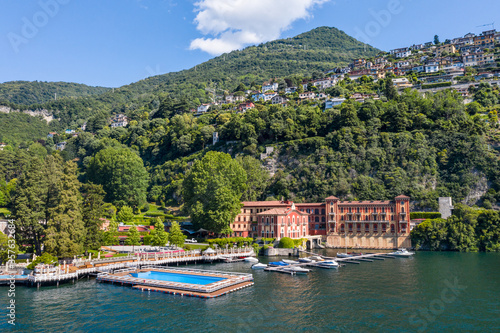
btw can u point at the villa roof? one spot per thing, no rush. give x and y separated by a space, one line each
402 197
264 203
332 198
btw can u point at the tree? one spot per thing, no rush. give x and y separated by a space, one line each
28 206
97 122
257 178
66 230
176 237
122 175
92 212
389 89
212 191
133 236
110 237
436 40
159 237
126 214
6 249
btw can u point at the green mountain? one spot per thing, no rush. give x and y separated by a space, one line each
320 49
28 93
315 51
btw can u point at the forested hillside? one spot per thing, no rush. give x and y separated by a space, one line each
27 93
306 55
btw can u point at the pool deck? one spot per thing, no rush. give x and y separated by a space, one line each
231 281
214 294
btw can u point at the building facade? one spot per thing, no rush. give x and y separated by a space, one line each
358 224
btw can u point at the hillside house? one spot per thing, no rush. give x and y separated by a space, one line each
307 95
401 82
403 52
203 108
268 86
61 146
119 120
278 100
246 106
330 103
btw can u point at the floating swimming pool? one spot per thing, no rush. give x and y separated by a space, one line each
178 277
4 277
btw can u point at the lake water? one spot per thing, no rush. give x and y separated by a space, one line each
431 292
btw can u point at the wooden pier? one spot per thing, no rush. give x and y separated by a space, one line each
92 267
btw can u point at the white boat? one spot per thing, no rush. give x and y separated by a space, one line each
259 266
295 269
305 260
291 262
251 259
317 258
402 253
343 255
328 264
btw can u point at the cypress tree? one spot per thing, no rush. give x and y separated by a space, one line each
93 210
29 205
66 231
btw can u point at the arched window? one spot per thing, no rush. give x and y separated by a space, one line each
316 211
316 219
272 219
322 219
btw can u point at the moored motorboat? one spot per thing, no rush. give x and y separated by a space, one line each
291 262
296 269
259 266
401 253
328 264
278 264
344 255
317 258
251 259
305 260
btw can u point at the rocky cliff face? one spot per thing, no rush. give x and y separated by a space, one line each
45 114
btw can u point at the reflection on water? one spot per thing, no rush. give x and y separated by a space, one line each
393 295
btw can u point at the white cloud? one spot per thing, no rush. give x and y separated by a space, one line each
232 24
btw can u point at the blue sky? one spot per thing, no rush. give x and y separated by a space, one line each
116 42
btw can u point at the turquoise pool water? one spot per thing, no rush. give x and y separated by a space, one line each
177 277
10 276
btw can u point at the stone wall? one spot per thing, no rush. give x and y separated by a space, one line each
388 241
445 207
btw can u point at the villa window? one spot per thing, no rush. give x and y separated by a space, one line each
375 226
323 211
323 219
331 209
342 209
358 210
384 227
272 219
342 218
392 209
402 209
316 219
366 209
350 210
350 227
316 211
392 228
239 219
367 227
374 210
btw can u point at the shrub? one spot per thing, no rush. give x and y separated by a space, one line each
425 215
43 259
286 243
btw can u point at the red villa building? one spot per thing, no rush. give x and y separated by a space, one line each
359 224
